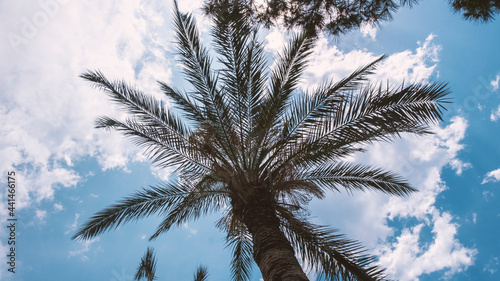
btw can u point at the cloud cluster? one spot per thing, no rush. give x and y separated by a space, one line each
47 110
373 218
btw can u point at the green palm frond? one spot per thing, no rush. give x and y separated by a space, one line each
243 75
196 61
308 109
182 101
147 267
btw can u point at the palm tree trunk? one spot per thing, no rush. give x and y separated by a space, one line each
272 251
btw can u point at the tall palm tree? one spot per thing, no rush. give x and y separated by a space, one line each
248 143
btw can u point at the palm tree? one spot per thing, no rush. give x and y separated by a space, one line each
147 268
257 149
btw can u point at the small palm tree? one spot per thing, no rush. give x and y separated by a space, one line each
257 149
147 268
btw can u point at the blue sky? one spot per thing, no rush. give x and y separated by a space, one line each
67 170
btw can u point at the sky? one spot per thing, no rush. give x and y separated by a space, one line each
66 170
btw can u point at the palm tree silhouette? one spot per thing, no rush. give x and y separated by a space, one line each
247 143
147 268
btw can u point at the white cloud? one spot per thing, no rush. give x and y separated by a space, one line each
492 265
161 173
492 176
47 111
73 226
420 160
40 215
58 207
82 248
368 29
459 166
275 40
495 115
495 82
328 62
407 258
487 195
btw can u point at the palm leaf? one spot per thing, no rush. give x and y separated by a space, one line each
198 202
238 239
353 176
331 255
143 203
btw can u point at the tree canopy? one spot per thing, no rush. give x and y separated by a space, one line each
338 17
249 143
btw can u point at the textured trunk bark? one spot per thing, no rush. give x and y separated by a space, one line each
272 251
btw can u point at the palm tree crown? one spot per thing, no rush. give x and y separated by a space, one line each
249 144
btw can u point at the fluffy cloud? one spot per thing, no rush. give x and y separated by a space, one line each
48 111
495 83
406 250
420 160
495 114
368 30
408 258
492 176
328 62
459 166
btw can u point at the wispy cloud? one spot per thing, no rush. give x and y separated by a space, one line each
82 248
58 207
492 176
495 82
495 114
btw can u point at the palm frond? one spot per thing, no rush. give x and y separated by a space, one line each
243 73
190 109
373 114
147 267
306 110
238 239
145 108
331 255
351 176
161 147
143 203
284 80
197 63
199 201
